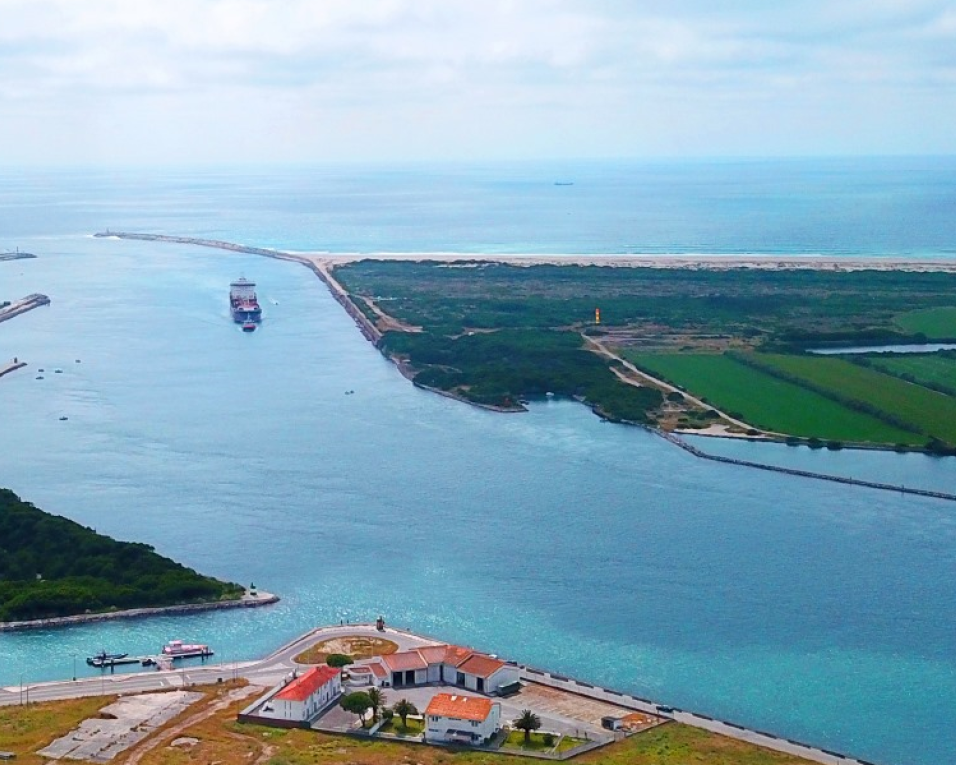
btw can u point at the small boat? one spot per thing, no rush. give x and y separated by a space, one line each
249 326
58 371
41 369
177 649
39 377
64 417
104 658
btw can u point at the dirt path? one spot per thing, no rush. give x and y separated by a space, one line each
602 350
179 728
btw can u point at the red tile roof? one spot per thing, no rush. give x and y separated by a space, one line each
404 660
459 707
378 670
433 654
480 665
307 683
456 655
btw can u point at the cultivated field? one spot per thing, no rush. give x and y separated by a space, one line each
768 402
935 370
931 412
935 323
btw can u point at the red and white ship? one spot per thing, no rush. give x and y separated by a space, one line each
177 649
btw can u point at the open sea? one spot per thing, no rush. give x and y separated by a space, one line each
820 612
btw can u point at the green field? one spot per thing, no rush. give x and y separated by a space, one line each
767 402
935 323
934 370
931 412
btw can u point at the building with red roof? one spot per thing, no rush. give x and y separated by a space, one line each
442 664
456 719
305 695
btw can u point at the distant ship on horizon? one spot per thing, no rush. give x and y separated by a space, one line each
244 304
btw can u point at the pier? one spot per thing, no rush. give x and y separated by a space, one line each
16 255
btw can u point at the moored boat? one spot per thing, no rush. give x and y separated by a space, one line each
177 649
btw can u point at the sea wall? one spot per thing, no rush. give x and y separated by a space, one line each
263 599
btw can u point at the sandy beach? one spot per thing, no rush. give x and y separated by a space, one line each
704 262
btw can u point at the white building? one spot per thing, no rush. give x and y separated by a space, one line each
453 719
445 664
305 696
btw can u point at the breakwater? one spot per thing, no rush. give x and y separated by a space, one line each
322 270
16 255
247 601
678 441
23 305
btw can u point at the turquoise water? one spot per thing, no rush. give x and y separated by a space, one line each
818 611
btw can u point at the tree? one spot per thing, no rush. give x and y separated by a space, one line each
527 721
403 708
357 703
378 699
338 660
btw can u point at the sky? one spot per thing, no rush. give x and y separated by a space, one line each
280 81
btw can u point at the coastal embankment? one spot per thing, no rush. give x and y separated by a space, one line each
16 255
13 366
680 442
23 305
248 600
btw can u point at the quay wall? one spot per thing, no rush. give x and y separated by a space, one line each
138 613
23 305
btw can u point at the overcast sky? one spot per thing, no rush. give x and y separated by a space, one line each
153 81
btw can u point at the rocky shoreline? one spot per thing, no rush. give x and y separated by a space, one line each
246 601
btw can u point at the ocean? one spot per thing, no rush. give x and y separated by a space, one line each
818 611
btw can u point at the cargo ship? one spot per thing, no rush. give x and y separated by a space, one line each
244 304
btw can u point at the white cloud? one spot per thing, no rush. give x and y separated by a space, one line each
218 79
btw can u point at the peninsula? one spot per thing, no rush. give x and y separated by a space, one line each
710 345
55 572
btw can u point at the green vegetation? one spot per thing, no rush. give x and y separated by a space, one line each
925 411
936 371
25 729
766 401
338 660
357 703
934 323
403 708
413 727
496 334
527 721
51 566
500 368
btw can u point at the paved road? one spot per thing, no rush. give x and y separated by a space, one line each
270 670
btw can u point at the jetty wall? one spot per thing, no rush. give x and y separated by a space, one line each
264 599
23 305
678 441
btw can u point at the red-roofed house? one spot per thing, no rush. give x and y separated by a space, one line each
447 664
452 718
305 696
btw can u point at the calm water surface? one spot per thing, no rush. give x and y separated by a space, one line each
813 610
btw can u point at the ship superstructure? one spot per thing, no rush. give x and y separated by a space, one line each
243 302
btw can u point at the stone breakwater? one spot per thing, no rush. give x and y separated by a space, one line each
246 601
23 305
678 441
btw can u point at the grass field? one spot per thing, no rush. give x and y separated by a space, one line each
933 413
935 323
25 729
767 402
930 369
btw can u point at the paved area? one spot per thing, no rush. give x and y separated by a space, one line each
119 726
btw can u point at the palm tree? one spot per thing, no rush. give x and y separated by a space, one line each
527 721
378 699
403 709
